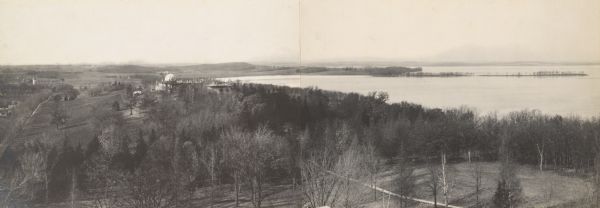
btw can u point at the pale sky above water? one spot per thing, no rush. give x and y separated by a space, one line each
209 31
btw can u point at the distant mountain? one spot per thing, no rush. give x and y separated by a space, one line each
505 55
233 66
128 69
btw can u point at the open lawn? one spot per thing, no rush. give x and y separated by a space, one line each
540 189
77 129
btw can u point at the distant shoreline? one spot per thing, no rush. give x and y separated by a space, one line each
237 69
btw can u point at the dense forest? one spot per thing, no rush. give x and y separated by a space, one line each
195 139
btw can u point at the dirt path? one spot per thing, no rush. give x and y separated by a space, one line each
37 108
392 193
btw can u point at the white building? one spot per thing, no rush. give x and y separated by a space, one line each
160 86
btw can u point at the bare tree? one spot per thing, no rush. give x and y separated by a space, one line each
190 168
446 180
102 182
549 186
131 104
59 115
211 158
596 180
234 157
155 184
540 141
540 150
319 187
258 158
477 173
27 177
17 179
73 186
33 163
405 182
328 179
351 164
152 188
434 181
372 165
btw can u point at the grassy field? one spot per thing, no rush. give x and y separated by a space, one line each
540 189
77 129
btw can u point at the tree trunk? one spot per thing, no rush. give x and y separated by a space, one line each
237 189
256 192
46 187
374 184
469 156
347 198
435 198
444 181
477 184
259 193
541 156
73 187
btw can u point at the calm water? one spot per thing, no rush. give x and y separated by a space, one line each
554 95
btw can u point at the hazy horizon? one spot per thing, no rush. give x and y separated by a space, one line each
335 63
298 31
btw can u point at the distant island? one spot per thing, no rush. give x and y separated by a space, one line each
392 71
438 74
539 74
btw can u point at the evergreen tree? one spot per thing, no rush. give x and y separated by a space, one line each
153 137
67 163
116 106
509 192
140 152
92 147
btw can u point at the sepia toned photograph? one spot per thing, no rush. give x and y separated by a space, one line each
299 103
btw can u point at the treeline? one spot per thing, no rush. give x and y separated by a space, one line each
539 74
18 90
391 71
564 142
440 74
196 140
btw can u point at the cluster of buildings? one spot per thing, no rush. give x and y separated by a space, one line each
169 81
46 81
7 109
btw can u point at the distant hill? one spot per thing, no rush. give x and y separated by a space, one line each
224 69
128 69
247 69
234 66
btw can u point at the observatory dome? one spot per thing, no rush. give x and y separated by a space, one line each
169 77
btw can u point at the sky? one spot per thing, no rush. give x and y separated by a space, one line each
451 30
147 31
211 31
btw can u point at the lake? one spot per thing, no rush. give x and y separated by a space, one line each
568 95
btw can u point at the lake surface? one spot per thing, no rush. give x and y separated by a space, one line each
569 95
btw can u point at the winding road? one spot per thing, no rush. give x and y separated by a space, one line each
392 193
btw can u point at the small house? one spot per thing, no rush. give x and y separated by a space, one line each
137 93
